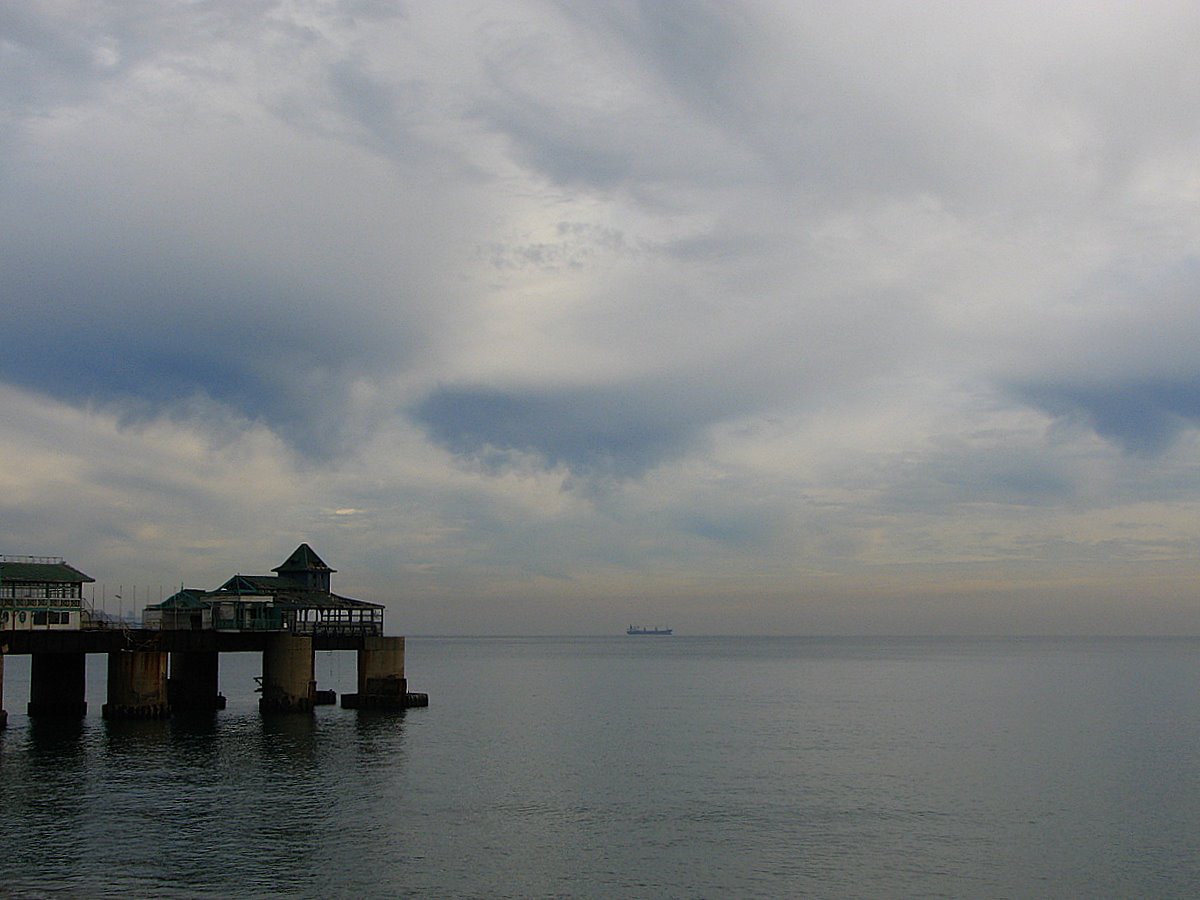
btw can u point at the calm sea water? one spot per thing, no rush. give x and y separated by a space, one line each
638 767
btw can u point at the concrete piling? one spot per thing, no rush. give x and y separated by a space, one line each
3 714
137 685
289 674
381 681
138 682
56 685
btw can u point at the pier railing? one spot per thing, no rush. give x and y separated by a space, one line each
371 629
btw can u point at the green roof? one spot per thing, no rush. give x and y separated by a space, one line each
188 598
303 559
245 584
42 573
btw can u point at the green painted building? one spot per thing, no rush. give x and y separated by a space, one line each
297 598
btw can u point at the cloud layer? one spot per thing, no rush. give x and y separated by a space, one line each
772 317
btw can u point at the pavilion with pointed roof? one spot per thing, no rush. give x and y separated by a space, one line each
297 598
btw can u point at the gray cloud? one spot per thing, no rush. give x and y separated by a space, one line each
564 300
618 431
1141 416
149 336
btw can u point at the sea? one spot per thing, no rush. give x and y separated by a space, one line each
637 767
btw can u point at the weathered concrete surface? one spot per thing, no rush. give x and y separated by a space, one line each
380 657
194 681
3 714
289 674
56 685
381 681
405 700
137 685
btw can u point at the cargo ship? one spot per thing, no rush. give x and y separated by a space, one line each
638 629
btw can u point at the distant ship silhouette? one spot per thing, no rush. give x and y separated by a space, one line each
638 629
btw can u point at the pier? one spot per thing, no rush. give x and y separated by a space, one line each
154 672
172 662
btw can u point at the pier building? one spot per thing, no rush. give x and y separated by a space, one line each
41 592
296 599
172 661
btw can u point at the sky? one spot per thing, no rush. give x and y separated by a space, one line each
552 317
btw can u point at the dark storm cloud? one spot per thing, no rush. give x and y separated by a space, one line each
1140 415
1120 360
173 245
149 337
621 431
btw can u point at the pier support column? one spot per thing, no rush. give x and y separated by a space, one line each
381 681
3 714
289 674
56 685
137 685
193 683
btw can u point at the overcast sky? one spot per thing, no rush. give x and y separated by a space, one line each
552 317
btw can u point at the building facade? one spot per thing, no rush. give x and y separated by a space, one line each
42 593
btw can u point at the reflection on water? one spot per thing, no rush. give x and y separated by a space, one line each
198 805
126 742
289 742
56 744
52 754
591 767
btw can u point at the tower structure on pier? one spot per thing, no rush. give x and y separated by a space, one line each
296 599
